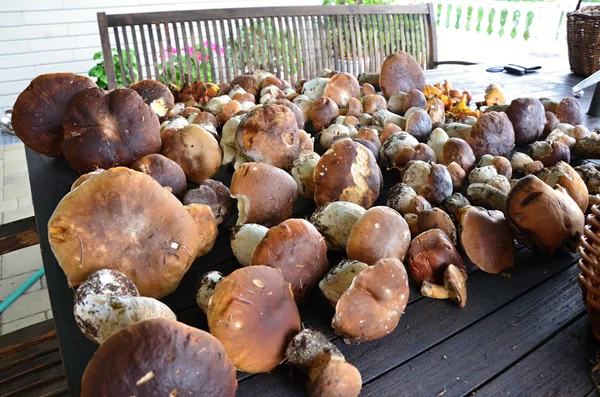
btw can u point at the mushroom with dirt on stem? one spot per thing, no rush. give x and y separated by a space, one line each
335 221
454 288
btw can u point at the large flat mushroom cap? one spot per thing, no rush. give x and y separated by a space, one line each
124 220
298 250
253 314
103 130
159 358
39 110
400 73
372 306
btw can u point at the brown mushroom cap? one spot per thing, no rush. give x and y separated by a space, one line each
298 250
103 130
229 110
458 150
373 103
388 131
550 153
420 152
324 111
160 357
269 134
380 233
156 95
429 255
492 134
196 150
85 177
550 125
118 220
295 109
355 107
265 194
562 223
253 314
341 88
564 175
528 118
215 195
39 110
347 171
337 378
458 176
371 308
248 83
486 238
437 219
165 171
272 80
400 73
569 111
414 99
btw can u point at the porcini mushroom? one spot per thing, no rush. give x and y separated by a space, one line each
432 181
405 200
213 194
335 221
265 194
549 152
492 134
165 171
457 150
324 111
435 218
564 175
528 118
400 73
156 95
253 314
454 288
569 111
303 173
429 255
341 88
160 357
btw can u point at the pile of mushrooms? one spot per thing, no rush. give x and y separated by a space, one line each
464 176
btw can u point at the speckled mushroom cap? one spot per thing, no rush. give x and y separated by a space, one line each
160 358
400 73
487 239
39 110
253 314
165 171
265 194
124 220
492 134
269 134
429 255
347 171
103 130
156 95
380 233
341 87
298 250
371 308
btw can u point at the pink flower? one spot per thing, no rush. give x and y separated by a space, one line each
222 50
174 51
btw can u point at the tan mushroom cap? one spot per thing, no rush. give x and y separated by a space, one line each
165 171
564 175
371 308
437 219
400 73
563 220
265 194
269 134
298 250
341 88
124 220
429 255
337 378
85 177
347 171
372 103
253 314
196 150
160 357
355 107
380 233
207 226
323 113
455 287
487 239
39 110
107 129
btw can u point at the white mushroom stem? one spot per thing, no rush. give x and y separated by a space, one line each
339 279
487 196
244 240
458 130
206 289
434 291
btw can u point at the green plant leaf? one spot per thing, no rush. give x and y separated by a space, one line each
97 55
96 71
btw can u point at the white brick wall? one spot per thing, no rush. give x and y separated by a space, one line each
45 36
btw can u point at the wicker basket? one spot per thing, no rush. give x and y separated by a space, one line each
589 264
583 39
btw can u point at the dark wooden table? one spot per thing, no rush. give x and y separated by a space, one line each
524 333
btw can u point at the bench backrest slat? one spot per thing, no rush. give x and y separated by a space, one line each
292 42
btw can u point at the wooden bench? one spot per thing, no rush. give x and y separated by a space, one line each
292 42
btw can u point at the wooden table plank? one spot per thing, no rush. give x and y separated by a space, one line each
560 367
464 362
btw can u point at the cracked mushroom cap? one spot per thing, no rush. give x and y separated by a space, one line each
561 225
165 171
341 87
269 134
371 308
106 129
39 110
156 95
347 171
297 249
458 150
160 357
196 150
569 111
248 82
380 233
253 314
429 255
564 175
528 118
492 134
265 194
400 73
118 220
486 238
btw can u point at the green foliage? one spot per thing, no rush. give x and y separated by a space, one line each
99 71
491 16
503 15
186 55
528 22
